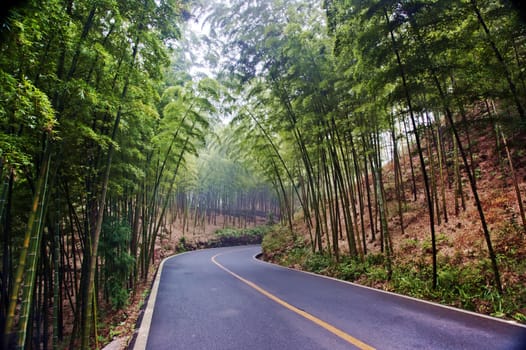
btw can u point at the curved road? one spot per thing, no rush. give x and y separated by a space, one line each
225 299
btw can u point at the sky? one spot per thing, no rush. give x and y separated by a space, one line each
198 31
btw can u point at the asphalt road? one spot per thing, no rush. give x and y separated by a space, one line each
225 299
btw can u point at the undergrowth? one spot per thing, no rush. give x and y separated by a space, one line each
225 238
467 284
238 232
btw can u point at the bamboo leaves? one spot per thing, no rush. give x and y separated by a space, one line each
76 80
318 115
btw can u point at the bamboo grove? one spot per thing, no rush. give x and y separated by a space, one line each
101 128
330 93
106 139
93 137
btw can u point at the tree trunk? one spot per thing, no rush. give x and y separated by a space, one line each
515 183
498 55
398 179
95 234
469 171
420 155
26 271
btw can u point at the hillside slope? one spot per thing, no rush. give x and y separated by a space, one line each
465 278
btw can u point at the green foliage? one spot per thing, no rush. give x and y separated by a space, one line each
181 245
81 82
230 237
24 107
318 262
276 240
465 286
297 255
252 231
118 263
408 245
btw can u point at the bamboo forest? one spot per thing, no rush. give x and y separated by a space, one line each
375 141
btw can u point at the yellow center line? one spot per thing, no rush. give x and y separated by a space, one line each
336 331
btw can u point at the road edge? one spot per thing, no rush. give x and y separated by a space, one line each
343 335
508 322
140 336
141 333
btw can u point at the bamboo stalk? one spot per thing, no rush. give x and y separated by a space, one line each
26 270
515 182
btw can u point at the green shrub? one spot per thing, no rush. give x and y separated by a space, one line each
317 262
377 274
351 270
276 240
374 259
181 245
118 264
253 231
409 244
117 294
